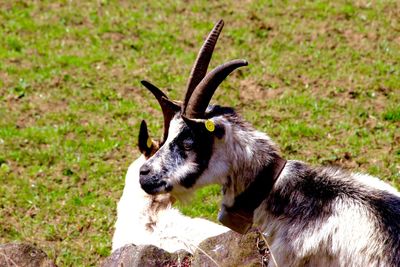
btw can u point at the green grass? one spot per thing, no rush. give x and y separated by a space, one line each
323 82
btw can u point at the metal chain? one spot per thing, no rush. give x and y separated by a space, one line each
263 251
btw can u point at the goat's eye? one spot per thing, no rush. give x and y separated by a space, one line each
187 144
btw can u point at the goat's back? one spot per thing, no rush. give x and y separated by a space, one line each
329 217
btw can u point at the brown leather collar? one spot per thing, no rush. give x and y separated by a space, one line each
239 217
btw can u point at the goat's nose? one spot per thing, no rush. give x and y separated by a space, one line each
144 170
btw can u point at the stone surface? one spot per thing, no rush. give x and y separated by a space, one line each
148 255
23 255
229 249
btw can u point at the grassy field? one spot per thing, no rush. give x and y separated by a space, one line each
323 82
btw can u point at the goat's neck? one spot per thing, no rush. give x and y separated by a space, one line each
251 151
155 205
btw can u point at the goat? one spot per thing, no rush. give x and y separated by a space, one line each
144 219
312 216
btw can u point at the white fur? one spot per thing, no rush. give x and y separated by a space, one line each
172 230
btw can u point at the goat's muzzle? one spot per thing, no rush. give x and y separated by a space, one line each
151 183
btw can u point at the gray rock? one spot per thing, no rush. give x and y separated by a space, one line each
230 249
148 255
23 255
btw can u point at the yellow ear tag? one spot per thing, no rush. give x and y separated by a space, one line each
149 142
210 126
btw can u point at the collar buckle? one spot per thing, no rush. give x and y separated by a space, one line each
239 221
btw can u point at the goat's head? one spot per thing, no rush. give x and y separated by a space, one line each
186 158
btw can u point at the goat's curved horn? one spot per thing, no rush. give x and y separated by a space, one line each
204 91
200 66
168 107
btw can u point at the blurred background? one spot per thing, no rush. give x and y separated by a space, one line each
323 81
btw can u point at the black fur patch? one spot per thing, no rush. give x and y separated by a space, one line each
387 209
202 149
219 131
310 197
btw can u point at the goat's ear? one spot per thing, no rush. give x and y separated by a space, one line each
205 126
146 144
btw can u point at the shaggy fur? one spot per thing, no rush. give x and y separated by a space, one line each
145 219
312 216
